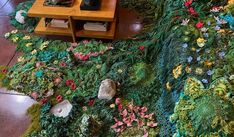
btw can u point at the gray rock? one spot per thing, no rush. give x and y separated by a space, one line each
107 89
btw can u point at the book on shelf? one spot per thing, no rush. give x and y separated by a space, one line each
96 26
57 23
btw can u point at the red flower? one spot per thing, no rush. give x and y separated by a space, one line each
59 98
188 3
73 86
63 64
141 47
199 25
91 102
43 101
69 82
85 58
4 71
192 11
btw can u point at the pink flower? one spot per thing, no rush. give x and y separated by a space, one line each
150 116
57 80
117 101
120 107
38 64
77 55
144 109
199 25
4 71
63 64
101 52
85 58
188 3
146 134
141 47
140 123
85 41
43 101
34 95
59 98
125 113
74 44
151 124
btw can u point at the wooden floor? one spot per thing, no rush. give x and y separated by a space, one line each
13 119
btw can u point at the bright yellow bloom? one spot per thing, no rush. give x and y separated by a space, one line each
177 71
15 39
26 37
221 31
168 86
28 44
20 59
112 105
201 42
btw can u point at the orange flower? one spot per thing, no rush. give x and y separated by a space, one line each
208 63
177 71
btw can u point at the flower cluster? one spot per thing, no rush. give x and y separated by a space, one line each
87 49
132 115
71 83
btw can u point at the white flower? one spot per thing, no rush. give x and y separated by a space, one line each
220 21
204 29
7 35
14 31
34 52
185 22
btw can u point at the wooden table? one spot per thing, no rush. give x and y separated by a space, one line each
76 17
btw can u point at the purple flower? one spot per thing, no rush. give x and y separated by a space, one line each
217 28
208 23
185 45
205 81
189 59
221 54
199 58
206 35
210 72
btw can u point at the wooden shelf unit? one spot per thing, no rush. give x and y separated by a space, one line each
107 13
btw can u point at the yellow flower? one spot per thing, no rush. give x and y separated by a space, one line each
20 59
15 39
14 31
26 37
199 71
56 62
188 69
168 86
28 44
221 31
201 42
177 71
230 2
34 52
98 66
112 105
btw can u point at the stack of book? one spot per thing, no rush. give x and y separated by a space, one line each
96 26
58 23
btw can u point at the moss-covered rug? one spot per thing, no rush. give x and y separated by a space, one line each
174 79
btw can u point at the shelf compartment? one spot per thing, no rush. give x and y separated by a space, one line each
42 29
110 34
